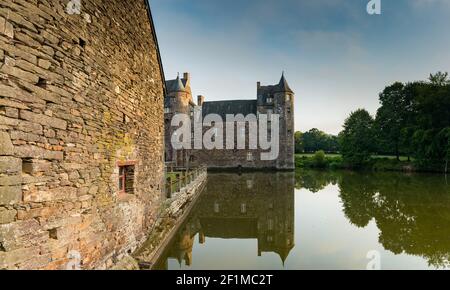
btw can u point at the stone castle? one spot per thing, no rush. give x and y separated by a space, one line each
273 99
81 132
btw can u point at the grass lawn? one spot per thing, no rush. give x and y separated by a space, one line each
332 155
312 154
402 158
172 175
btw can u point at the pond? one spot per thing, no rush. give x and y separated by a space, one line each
316 220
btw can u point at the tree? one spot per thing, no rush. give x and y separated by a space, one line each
392 117
319 159
357 138
439 79
315 140
432 120
298 140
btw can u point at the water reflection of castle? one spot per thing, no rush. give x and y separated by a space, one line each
249 206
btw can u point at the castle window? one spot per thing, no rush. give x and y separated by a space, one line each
269 100
166 110
249 156
243 208
216 207
270 224
126 177
288 98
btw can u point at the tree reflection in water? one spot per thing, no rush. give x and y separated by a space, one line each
412 211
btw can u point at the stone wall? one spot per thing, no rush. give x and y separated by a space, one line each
232 159
81 89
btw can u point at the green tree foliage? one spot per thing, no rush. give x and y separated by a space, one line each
357 138
315 140
298 139
319 159
413 120
391 119
439 79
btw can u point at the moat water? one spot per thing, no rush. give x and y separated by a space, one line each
316 220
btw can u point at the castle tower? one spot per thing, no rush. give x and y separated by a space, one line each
178 101
284 106
181 96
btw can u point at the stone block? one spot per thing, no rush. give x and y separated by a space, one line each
19 73
19 94
36 166
12 104
2 24
24 38
12 112
30 151
6 147
19 135
7 180
50 37
40 212
20 21
9 30
8 121
43 119
45 64
10 195
7 216
55 194
22 234
9 259
10 165
30 127
18 53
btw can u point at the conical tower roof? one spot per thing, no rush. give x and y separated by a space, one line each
283 86
178 85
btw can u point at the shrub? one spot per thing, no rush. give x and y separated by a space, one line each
319 159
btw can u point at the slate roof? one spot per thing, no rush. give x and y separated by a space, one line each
222 108
283 85
176 85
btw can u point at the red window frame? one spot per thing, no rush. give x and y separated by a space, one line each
122 179
123 174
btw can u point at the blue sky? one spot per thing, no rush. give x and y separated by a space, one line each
336 57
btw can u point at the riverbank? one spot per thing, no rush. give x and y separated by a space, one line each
377 163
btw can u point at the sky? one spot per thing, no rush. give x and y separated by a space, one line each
336 57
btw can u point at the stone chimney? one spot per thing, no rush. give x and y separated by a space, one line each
187 76
200 100
258 85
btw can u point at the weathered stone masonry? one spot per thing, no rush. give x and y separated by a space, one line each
79 93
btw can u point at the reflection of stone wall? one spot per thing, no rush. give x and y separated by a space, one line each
78 93
249 206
